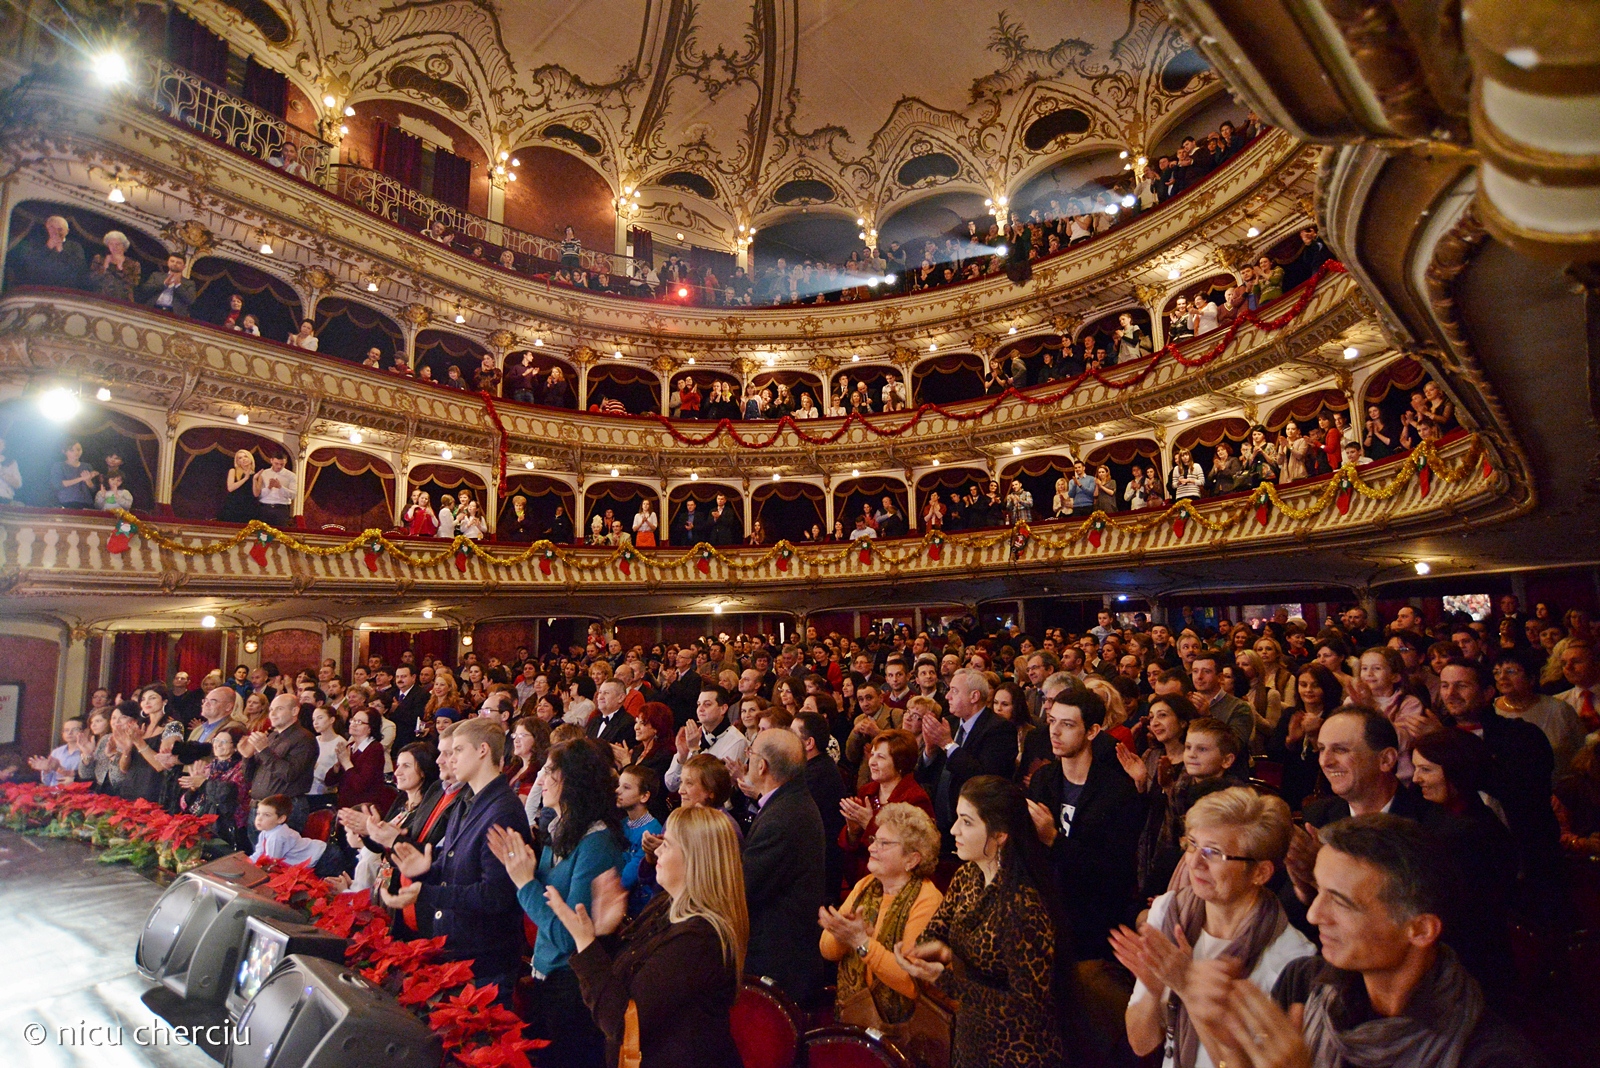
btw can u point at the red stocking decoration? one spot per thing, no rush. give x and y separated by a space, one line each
258 551
461 560
117 544
935 548
1424 478
784 556
544 561
1263 507
703 565
625 564
1096 530
865 556
1180 523
1342 500
1488 468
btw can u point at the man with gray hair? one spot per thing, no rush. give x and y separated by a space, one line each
54 261
610 723
280 761
972 740
784 867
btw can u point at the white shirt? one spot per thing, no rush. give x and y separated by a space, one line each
447 522
862 532
283 492
646 523
1291 945
327 757
729 745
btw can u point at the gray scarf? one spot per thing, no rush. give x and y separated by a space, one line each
1443 1012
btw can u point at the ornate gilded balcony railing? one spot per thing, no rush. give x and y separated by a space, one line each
216 113
154 359
399 203
43 552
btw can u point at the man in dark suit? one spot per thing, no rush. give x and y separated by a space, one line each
683 692
784 866
689 527
610 723
971 741
171 291
410 702
827 790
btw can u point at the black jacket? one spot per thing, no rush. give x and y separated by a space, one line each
827 790
689 528
407 709
784 860
990 749
682 697
1096 869
471 899
618 732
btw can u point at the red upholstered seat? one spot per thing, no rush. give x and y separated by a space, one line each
765 1026
850 1047
319 824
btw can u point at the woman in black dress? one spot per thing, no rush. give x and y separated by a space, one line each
240 504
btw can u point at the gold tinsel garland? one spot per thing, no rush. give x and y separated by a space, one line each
373 540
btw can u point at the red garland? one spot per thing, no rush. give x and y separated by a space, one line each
500 429
726 426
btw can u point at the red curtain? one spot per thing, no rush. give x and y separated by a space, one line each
399 155
388 644
443 477
198 652
356 494
452 178
266 88
1306 408
205 454
138 658
947 478
440 644
1121 452
195 48
1405 373
1209 434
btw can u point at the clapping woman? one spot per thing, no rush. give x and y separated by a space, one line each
240 504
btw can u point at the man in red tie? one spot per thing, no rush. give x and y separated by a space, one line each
1580 668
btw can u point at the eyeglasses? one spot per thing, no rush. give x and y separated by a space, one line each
880 842
1213 855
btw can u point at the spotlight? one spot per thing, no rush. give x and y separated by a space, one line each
528 464
1129 201
1183 413
349 111
1261 389
102 394
208 621
1174 274
1254 231
59 404
616 471
1016 450
329 101
1001 250
1099 435
116 195
427 613
110 68
1423 567
1351 352
888 279
872 282
1112 209
694 476
1122 597
683 291
242 419
446 453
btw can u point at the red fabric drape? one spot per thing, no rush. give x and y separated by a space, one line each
1029 346
452 178
388 644
1305 408
620 491
950 478
1034 466
358 495
138 658
440 644
197 441
1209 434
444 477
1405 373
399 155
198 652
266 88
195 48
1122 452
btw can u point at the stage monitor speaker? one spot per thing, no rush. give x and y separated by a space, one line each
266 943
314 1013
190 942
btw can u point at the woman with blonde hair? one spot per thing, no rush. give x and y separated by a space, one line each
1236 842
889 907
1262 697
443 694
240 505
662 992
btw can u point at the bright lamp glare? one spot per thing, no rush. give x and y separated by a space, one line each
116 195
208 621
102 394
1422 567
888 279
1001 250
111 68
1351 353
59 404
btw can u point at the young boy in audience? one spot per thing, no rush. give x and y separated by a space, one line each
636 785
1210 750
279 840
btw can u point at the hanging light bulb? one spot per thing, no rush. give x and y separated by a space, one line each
447 453
116 195
372 286
349 111
427 613
102 394
355 436
1254 231
242 419
329 100
528 464
694 476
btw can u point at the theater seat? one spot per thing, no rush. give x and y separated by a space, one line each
851 1047
764 1024
319 824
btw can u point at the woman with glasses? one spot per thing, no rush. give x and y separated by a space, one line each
1236 841
889 907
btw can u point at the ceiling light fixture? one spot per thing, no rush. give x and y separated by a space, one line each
538 342
776 476
1261 389
208 621
694 476
344 131
460 318
1016 450
110 68
116 195
355 436
1254 231
349 112
617 355
1013 330
528 464
933 347
372 286
936 463
680 237
102 394
242 419
1423 567
59 404
691 361
1174 274
1351 352
616 471
716 609
427 613
855 472
447 453
329 100
266 246
1183 413
855 357
1099 435
251 645
466 640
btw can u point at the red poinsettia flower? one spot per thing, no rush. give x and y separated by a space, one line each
508 1051
428 981
299 879
402 956
344 914
471 1012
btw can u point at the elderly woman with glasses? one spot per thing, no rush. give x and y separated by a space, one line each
889 907
1236 841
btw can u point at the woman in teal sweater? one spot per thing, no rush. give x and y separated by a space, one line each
585 840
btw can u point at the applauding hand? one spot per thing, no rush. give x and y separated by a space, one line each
413 864
509 848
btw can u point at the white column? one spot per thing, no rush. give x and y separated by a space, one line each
911 503
580 521
74 688
827 508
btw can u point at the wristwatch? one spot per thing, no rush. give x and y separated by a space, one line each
861 950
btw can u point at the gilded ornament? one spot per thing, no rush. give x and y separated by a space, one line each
415 316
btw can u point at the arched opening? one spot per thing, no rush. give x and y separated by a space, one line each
797 382
614 502
348 331
955 486
853 497
1201 122
1069 187
1121 456
788 510
1202 442
527 380
1062 362
541 498
1038 475
440 352
637 389
816 240
948 379
348 490
85 229
931 219
1305 409
112 442
440 643
554 190
705 382
1212 288
272 301
419 148
1389 392
1105 330
439 481
688 526
860 389
204 458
